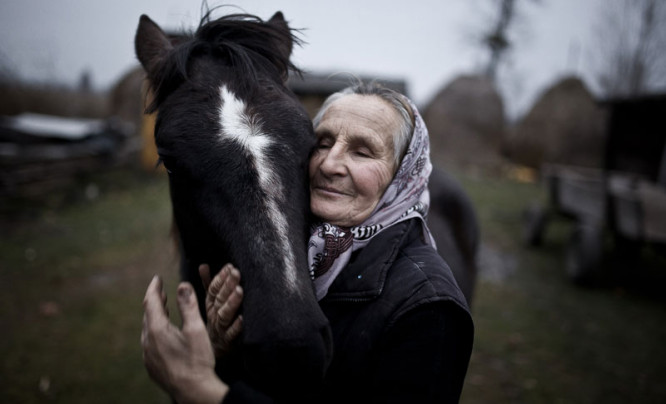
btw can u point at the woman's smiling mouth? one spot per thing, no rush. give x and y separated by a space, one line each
329 190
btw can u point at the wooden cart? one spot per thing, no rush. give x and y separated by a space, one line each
625 199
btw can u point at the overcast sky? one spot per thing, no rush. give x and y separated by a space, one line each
425 42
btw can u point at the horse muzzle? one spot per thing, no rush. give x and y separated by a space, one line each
281 365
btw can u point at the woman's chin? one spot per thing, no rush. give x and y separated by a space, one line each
327 215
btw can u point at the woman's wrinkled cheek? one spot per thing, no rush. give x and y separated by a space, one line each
383 179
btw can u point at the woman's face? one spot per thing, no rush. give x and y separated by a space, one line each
354 159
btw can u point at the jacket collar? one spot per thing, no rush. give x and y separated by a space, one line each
364 277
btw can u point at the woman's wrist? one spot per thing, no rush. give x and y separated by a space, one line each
201 390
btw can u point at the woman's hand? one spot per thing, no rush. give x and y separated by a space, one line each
223 298
180 361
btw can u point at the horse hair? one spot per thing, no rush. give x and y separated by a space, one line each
238 39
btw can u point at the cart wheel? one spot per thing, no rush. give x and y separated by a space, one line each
534 217
584 253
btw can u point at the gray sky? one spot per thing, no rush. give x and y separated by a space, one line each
426 42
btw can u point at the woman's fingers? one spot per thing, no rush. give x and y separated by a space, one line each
223 300
221 287
163 296
231 281
155 314
189 309
226 312
154 302
223 337
212 287
216 285
235 329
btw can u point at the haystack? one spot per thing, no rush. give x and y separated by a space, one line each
565 126
466 123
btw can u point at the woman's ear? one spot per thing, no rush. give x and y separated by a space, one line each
151 44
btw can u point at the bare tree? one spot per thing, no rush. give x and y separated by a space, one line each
631 51
497 37
497 40
501 26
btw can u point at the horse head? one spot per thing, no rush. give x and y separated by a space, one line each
235 143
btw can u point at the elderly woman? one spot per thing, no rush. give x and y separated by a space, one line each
402 331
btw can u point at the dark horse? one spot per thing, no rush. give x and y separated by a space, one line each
235 142
454 225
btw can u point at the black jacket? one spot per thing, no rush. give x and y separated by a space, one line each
401 327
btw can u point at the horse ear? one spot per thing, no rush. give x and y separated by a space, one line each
278 21
151 44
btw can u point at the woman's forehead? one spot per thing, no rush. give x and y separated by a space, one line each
360 114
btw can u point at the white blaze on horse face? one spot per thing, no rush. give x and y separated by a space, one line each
246 130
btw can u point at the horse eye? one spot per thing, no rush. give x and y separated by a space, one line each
167 162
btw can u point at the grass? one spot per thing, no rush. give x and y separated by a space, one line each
73 272
73 278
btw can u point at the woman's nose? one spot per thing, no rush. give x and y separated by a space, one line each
333 162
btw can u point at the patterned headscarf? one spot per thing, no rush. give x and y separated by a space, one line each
406 197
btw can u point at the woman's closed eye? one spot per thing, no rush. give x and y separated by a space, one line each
324 143
364 152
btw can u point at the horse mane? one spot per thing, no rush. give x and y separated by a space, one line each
247 43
